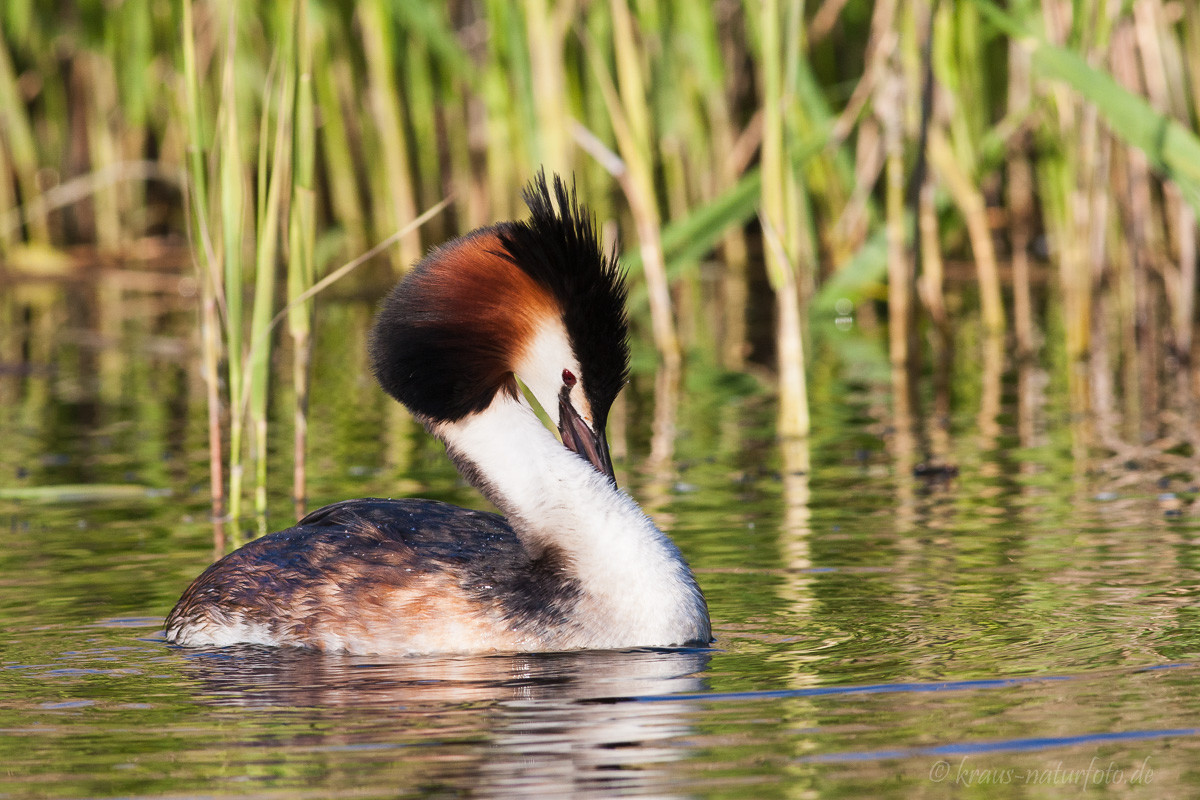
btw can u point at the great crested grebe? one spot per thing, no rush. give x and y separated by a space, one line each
574 564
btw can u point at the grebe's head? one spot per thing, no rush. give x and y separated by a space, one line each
537 299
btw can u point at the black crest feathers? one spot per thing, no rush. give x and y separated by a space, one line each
560 249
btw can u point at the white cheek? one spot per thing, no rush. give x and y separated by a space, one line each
541 366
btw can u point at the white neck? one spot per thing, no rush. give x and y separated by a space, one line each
637 589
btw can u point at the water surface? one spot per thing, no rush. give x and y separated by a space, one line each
1024 627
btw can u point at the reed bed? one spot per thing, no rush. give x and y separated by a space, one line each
849 153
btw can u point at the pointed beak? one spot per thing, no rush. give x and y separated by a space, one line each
581 439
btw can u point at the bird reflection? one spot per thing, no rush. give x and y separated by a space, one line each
554 723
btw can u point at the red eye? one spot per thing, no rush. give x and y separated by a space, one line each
568 378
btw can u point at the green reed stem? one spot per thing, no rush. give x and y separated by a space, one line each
394 197
19 142
231 188
337 148
302 237
276 162
545 34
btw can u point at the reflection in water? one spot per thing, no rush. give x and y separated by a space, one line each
989 403
1036 605
558 723
659 466
250 675
904 445
796 544
796 531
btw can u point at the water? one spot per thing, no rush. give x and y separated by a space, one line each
1024 628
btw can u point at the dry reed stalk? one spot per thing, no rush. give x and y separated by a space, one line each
637 185
1143 237
793 389
735 299
780 218
208 268
1122 303
735 252
847 236
707 133
1189 251
931 282
1185 286
643 207
879 58
888 106
1020 196
973 207
853 224
631 124
633 171
1101 224
1162 69
928 268
93 78
1191 50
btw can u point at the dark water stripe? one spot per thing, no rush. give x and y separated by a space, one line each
1035 744
885 688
